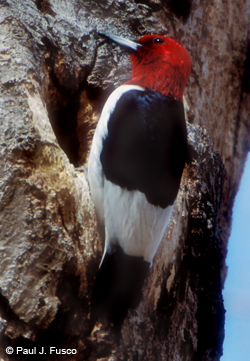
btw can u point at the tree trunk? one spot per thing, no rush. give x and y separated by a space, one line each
55 77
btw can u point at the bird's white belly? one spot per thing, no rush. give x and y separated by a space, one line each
132 222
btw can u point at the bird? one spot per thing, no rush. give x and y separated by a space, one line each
135 165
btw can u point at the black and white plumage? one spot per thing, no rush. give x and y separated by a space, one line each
135 166
136 161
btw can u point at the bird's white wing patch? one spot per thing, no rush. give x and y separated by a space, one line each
132 222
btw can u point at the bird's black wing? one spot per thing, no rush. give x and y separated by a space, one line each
146 145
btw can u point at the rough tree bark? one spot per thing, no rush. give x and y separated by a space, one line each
55 77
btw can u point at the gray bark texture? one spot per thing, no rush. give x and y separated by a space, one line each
55 77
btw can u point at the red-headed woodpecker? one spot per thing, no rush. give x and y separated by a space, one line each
135 166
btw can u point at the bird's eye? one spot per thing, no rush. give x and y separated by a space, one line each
158 41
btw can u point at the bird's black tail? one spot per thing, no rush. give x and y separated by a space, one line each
118 286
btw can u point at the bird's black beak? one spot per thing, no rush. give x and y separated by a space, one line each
128 44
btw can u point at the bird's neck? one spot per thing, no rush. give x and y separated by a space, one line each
167 88
167 78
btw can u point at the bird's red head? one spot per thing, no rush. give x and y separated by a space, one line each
160 63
